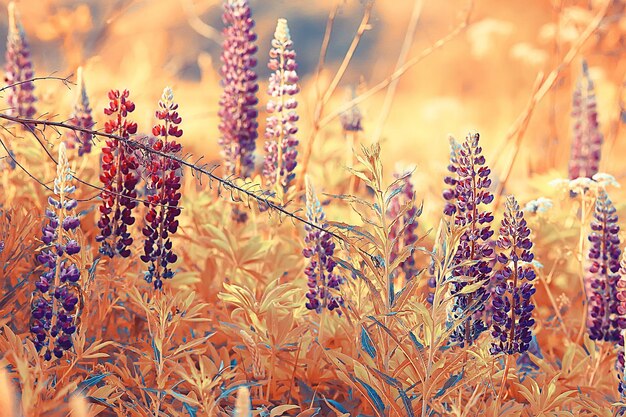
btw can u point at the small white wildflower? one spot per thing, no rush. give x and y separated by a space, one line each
604 179
559 183
540 205
582 184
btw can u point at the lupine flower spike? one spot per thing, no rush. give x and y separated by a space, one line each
352 120
620 364
54 314
587 138
471 191
403 232
238 102
281 144
511 300
119 177
164 181
449 194
605 290
449 209
81 118
19 69
323 283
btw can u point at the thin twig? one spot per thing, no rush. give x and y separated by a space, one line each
404 51
519 126
226 183
321 103
65 80
198 25
401 71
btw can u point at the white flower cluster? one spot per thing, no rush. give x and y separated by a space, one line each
584 184
540 205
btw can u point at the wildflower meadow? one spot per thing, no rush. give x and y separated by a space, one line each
343 208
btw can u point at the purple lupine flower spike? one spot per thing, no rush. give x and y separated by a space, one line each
281 144
511 299
407 225
449 194
587 140
449 209
471 188
238 102
164 178
54 305
323 282
604 286
19 69
351 120
620 364
82 118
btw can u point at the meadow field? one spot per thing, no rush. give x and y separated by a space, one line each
342 208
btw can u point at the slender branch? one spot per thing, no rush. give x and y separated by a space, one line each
404 51
32 130
319 108
198 25
227 183
401 71
65 80
10 155
519 126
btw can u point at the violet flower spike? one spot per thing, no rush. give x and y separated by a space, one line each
238 101
82 118
281 144
323 282
19 69
620 367
587 139
407 225
603 284
164 179
54 303
449 195
119 178
351 120
471 188
511 300
620 364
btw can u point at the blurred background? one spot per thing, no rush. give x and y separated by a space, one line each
480 80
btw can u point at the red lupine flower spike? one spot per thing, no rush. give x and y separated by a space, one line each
119 178
164 176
